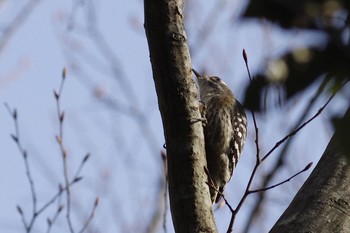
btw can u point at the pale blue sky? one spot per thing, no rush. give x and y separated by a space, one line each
125 165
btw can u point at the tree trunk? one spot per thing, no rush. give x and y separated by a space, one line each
323 202
177 98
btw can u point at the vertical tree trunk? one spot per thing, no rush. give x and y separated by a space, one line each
323 202
177 98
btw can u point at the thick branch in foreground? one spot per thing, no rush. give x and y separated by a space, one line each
177 98
323 202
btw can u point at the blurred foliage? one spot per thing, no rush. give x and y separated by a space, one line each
310 14
298 69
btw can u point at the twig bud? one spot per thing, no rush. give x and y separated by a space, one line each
57 96
14 114
308 166
60 208
245 56
61 117
97 200
86 157
77 179
64 72
19 209
59 140
14 138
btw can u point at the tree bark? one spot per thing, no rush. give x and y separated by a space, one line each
323 202
177 98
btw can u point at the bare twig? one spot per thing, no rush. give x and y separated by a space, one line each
210 183
280 183
77 176
83 161
164 159
245 57
61 190
301 123
113 67
255 209
16 138
294 132
92 214
59 138
14 25
248 192
50 222
19 209
259 161
37 211
207 27
161 206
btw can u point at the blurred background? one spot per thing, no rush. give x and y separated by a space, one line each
111 112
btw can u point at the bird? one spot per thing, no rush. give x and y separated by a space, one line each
225 131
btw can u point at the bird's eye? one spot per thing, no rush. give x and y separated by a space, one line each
215 79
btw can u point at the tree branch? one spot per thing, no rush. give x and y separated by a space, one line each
177 98
322 203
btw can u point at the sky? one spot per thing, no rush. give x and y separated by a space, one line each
111 110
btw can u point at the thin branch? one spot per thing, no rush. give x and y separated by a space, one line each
92 214
77 176
302 122
320 110
16 137
255 209
13 26
57 195
141 119
253 116
59 138
245 195
105 50
212 185
248 192
19 209
257 160
322 192
280 183
299 128
161 206
164 159
80 168
245 57
36 211
114 67
50 222
24 154
207 27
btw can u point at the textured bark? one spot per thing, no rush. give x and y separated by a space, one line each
322 205
177 98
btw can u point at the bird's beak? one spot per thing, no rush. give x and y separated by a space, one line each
196 73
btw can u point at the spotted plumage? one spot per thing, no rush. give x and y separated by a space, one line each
225 131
